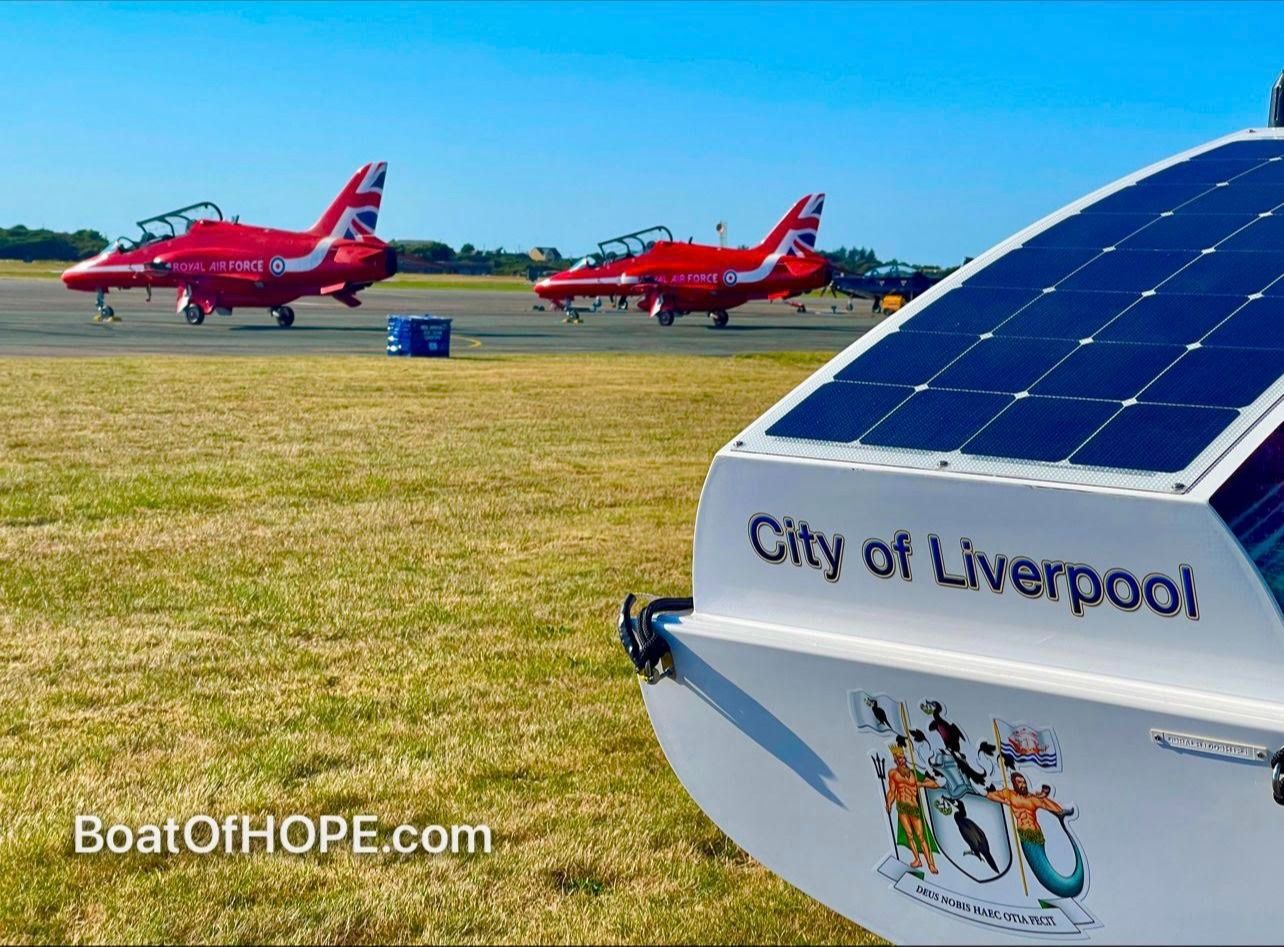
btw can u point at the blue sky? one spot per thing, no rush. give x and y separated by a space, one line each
936 130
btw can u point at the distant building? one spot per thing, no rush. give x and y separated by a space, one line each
545 254
407 263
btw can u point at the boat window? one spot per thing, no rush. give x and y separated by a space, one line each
1251 502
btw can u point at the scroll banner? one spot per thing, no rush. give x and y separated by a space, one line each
1063 916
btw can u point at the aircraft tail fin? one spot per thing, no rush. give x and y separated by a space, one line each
796 233
353 214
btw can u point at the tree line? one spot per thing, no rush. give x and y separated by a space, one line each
23 243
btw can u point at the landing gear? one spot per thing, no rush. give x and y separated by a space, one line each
284 316
664 317
194 314
572 314
104 312
719 318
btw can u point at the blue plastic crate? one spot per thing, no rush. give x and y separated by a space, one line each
419 335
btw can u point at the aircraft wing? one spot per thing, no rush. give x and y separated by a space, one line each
346 293
657 293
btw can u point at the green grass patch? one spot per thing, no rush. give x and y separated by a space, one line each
36 269
503 284
342 585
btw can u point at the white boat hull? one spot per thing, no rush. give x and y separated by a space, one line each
1175 846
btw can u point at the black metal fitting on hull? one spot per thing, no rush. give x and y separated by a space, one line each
648 651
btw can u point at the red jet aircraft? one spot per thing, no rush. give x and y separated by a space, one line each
674 279
219 264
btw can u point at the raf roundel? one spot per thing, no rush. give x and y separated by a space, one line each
277 266
731 277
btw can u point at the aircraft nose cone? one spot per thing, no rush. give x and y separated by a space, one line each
80 275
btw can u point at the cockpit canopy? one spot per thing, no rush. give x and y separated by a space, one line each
623 247
169 224
893 270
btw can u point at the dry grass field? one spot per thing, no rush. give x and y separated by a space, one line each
332 585
37 269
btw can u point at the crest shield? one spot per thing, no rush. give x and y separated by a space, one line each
969 829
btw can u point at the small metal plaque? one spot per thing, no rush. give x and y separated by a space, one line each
1229 749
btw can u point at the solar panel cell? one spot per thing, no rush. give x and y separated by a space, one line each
1239 198
971 309
1004 364
1091 230
1183 231
1172 318
1260 324
1261 149
1264 234
1221 377
1154 437
907 358
1228 273
937 420
1146 199
1203 172
1129 270
1108 370
1032 267
839 411
1046 429
1066 314
1268 172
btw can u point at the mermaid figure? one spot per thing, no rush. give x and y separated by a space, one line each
1025 812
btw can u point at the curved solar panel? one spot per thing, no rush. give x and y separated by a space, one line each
1123 340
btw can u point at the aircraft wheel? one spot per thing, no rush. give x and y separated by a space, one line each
720 318
284 316
664 317
194 314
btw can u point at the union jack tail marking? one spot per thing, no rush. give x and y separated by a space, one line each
795 235
355 212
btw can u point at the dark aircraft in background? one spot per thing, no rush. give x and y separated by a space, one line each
890 286
218 264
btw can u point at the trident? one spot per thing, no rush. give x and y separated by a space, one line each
880 767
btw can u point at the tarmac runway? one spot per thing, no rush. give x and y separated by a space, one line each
41 317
